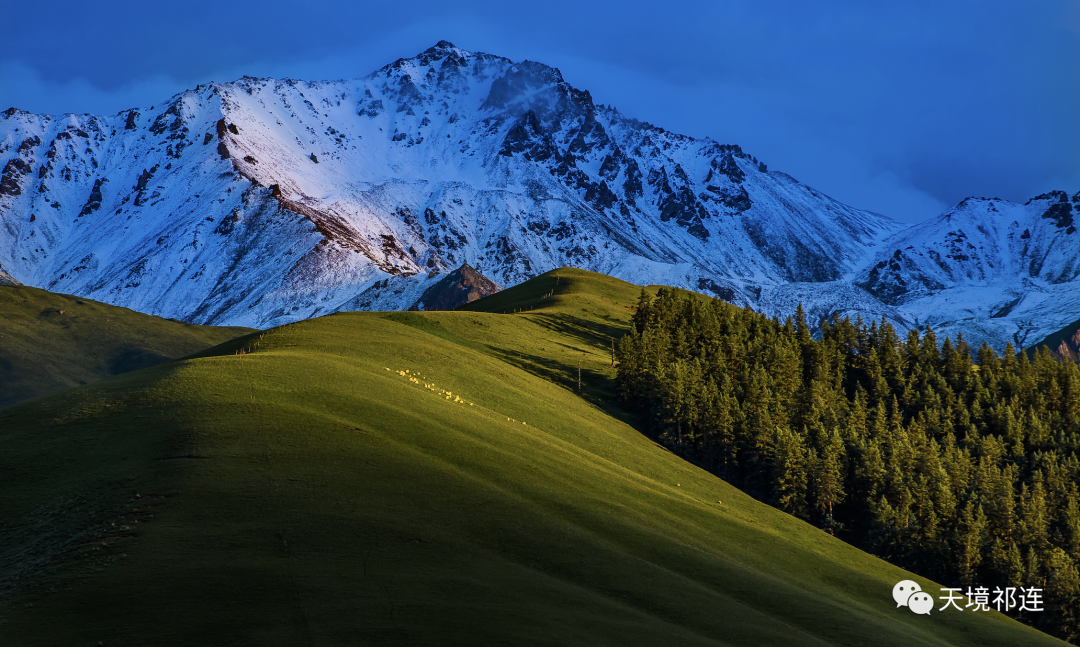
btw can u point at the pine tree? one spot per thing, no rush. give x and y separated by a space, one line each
1033 574
790 473
1069 536
675 397
969 539
829 473
956 470
642 315
1034 515
1013 572
1062 595
856 429
870 471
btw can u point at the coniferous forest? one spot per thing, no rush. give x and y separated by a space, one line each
957 464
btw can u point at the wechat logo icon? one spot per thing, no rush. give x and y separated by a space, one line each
909 594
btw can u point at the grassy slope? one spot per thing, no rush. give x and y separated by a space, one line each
303 494
52 341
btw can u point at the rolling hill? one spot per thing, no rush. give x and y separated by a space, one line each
52 341
421 478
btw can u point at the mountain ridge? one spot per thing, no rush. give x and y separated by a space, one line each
262 201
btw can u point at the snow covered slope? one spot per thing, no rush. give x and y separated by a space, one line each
995 270
262 201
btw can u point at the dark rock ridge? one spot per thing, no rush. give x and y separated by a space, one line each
463 285
1064 343
1070 347
7 280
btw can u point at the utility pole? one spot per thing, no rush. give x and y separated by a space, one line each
579 378
612 352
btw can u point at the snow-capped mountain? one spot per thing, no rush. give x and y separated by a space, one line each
993 270
262 201
996 270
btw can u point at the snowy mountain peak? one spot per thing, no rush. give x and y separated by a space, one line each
263 200
1001 267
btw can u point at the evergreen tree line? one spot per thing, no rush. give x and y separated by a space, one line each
961 467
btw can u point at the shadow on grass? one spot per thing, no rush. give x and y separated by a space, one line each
596 334
597 387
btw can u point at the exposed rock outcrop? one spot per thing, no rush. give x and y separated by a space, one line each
463 285
6 280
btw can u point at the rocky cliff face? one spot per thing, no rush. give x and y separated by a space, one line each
261 201
1064 343
7 280
463 285
1070 347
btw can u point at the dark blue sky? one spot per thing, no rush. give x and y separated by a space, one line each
903 108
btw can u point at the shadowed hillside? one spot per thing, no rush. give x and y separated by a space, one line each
52 341
412 479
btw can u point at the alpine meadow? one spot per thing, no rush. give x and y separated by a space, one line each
460 353
421 478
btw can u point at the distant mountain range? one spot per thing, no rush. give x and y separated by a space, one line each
263 201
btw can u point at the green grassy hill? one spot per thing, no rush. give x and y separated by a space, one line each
52 341
412 479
